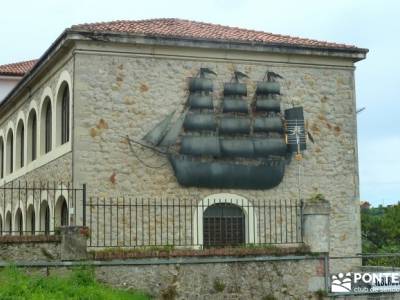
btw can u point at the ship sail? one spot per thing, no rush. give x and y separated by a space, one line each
230 145
268 124
200 146
172 134
200 122
155 136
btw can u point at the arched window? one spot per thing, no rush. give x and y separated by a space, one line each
48 129
65 115
32 135
223 224
10 152
61 212
8 225
45 218
30 220
20 145
46 126
19 227
1 158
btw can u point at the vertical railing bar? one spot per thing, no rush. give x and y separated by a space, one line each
179 221
301 220
130 221
104 221
26 208
148 220
136 222
19 205
286 221
198 210
54 206
97 222
281 219
90 217
111 206
155 221
123 220
12 201
4 204
142 221
297 225
190 241
291 220
184 206
161 224
173 221
117 198
84 204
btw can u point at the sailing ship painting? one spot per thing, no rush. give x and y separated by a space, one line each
235 143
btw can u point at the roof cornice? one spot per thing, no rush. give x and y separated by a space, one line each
353 54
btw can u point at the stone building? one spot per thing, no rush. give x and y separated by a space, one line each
76 115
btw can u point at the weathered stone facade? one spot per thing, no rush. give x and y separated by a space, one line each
127 94
52 169
238 280
123 89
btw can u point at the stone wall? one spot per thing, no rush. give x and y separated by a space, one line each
52 169
235 280
30 248
127 94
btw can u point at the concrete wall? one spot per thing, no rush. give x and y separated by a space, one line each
122 91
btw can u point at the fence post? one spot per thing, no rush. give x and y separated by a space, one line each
316 226
84 204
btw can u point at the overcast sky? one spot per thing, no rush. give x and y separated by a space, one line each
27 28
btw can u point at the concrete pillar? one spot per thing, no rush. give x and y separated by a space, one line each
316 232
74 242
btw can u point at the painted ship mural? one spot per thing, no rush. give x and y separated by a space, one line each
237 144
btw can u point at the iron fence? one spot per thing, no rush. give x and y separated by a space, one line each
142 222
36 208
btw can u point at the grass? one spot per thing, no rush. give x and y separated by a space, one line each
79 284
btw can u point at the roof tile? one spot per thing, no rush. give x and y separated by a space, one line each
17 69
178 28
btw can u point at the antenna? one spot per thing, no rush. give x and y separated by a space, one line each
360 110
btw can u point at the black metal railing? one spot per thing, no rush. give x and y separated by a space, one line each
37 208
142 222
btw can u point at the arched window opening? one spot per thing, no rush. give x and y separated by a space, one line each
48 129
1 225
45 218
19 229
1 158
64 214
8 225
10 152
30 220
223 225
65 116
32 136
46 126
20 145
61 212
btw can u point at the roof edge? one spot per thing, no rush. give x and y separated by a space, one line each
36 68
355 54
218 41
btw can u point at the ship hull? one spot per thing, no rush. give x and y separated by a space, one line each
193 173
